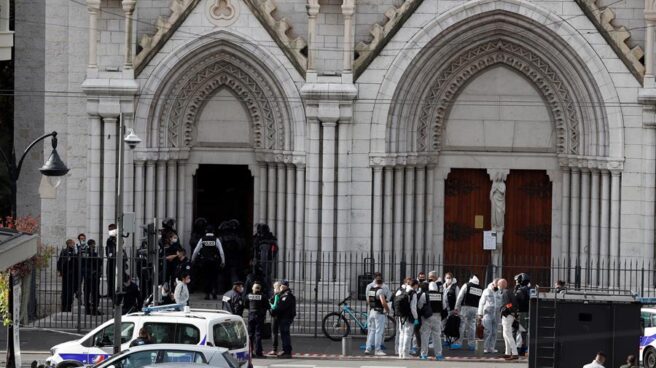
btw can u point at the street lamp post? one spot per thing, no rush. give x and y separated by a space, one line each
53 167
132 140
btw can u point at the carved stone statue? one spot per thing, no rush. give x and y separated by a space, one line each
498 201
650 5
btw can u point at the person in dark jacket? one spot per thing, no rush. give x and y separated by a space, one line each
508 312
143 339
132 296
257 305
200 224
184 264
265 246
285 312
233 246
110 253
233 301
92 265
67 270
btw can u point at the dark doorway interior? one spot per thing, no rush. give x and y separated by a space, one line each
225 192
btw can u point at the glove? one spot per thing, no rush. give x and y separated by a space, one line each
416 323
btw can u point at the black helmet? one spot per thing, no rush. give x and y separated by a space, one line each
168 223
522 279
209 229
200 224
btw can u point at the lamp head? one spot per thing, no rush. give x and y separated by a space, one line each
54 166
132 139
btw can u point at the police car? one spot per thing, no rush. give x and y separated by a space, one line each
648 339
165 326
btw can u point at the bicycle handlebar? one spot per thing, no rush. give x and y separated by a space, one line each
344 301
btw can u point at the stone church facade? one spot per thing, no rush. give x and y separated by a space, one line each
371 125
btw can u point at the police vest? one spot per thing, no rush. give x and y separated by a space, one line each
208 250
256 303
374 302
473 295
435 300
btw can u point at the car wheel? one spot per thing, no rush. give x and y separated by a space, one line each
649 358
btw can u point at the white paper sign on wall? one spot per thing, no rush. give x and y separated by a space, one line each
489 240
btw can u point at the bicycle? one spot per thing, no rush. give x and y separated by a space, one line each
335 324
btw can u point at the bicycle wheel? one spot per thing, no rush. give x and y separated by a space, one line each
390 329
335 326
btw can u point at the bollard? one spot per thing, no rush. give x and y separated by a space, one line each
346 345
480 346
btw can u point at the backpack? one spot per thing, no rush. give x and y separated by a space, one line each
401 304
452 327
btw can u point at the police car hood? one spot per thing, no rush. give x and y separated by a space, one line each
57 347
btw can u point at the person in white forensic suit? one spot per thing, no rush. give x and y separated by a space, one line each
467 307
598 362
431 304
489 312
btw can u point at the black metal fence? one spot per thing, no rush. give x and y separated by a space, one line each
320 280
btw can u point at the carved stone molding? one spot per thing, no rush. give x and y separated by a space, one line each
187 95
453 77
416 160
618 37
223 12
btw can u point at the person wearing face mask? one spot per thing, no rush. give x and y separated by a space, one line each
377 300
406 303
233 301
451 291
110 253
430 305
508 312
467 306
489 308
81 243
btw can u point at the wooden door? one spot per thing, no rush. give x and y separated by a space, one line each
466 196
527 236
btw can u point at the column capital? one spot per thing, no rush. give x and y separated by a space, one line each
348 8
93 5
128 6
139 162
312 7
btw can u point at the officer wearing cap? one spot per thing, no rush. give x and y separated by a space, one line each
286 311
232 299
257 304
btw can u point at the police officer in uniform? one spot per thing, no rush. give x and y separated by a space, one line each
431 304
467 308
233 301
91 271
285 312
67 269
184 264
212 260
257 305
377 300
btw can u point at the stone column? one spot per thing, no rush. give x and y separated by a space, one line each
441 174
594 227
388 206
183 231
409 207
110 131
615 227
584 246
428 217
312 11
95 178
377 215
281 187
313 190
289 218
139 191
574 220
650 20
565 208
93 7
150 191
348 8
328 185
398 213
604 229
128 9
262 192
190 172
300 208
420 250
171 188
271 196
161 190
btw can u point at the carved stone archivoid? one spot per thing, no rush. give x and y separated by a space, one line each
540 189
457 232
454 187
536 233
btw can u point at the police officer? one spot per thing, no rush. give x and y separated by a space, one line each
467 308
67 270
110 253
409 319
377 300
286 311
522 293
257 305
91 271
232 299
212 260
431 304
184 264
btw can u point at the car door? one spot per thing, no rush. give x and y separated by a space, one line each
103 341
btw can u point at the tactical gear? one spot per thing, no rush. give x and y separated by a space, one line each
257 305
451 297
402 304
473 295
209 250
374 301
435 301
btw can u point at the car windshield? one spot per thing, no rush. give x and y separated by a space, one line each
232 362
230 334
